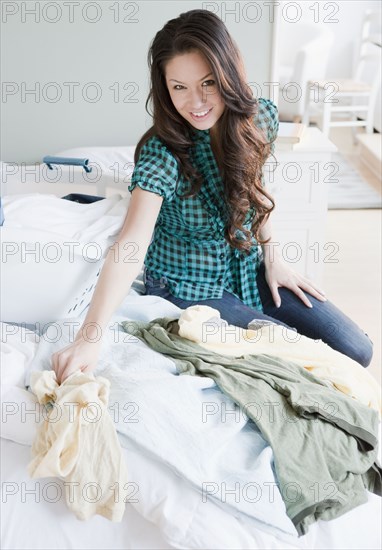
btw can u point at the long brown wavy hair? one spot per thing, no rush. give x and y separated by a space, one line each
243 146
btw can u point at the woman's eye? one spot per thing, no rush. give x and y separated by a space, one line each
178 87
208 82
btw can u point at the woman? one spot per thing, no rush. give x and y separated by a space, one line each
198 205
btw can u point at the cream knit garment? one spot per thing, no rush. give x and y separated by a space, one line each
203 325
77 442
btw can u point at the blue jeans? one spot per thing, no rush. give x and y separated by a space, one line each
322 322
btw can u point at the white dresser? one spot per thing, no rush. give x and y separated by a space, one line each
299 185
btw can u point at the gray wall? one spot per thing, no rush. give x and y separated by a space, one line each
57 44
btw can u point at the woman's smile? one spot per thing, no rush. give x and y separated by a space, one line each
200 115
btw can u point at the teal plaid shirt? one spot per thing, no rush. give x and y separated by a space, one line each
188 245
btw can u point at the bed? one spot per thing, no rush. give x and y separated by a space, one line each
196 484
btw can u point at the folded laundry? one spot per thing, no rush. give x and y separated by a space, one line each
77 442
324 444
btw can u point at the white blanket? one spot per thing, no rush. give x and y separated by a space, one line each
159 416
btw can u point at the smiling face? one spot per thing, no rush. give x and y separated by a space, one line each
193 90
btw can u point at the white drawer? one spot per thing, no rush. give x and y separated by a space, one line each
299 186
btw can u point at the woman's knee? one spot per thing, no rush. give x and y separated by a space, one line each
338 331
358 347
363 352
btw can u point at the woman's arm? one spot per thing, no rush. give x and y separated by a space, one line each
122 265
278 274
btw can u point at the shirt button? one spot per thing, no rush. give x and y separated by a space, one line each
222 256
220 280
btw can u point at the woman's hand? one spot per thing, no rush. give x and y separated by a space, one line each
81 355
278 274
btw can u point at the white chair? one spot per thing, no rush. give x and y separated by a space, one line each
303 54
325 94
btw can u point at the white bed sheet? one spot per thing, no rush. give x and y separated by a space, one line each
166 498
29 524
50 525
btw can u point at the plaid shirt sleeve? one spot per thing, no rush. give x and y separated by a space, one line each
156 169
267 118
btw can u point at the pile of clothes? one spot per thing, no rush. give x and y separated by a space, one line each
318 409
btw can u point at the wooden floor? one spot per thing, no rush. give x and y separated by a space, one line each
354 283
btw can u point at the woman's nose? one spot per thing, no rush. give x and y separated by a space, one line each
198 99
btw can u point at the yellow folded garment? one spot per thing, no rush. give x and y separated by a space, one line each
203 325
77 442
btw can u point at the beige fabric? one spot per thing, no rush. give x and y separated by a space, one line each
203 325
77 442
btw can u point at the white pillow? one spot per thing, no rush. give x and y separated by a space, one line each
114 160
